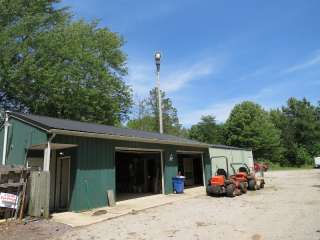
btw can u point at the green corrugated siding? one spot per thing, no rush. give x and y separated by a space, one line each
93 168
20 137
234 155
170 167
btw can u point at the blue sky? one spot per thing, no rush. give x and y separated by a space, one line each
216 53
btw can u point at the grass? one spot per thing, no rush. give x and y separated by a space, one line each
277 167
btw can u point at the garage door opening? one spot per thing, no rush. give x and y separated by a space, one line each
138 174
190 166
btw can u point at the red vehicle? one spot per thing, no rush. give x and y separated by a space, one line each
224 184
261 167
254 182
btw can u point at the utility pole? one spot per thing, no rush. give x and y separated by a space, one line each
5 138
157 57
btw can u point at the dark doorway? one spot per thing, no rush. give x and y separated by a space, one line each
190 166
137 174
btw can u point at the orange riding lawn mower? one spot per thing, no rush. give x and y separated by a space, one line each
224 184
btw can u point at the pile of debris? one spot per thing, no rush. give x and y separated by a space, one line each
13 189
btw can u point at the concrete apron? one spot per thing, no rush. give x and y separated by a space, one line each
122 208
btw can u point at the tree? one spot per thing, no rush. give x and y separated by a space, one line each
207 130
52 65
299 123
249 126
147 116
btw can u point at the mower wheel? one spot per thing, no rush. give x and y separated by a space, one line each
252 184
243 187
231 190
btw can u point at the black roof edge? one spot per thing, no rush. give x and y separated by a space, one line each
221 146
29 121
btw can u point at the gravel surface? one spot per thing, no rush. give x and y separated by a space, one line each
288 208
39 230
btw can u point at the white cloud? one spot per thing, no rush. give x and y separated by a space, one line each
142 76
222 109
177 79
309 63
255 74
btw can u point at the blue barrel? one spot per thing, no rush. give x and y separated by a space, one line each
178 184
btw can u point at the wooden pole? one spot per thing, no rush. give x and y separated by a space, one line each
23 200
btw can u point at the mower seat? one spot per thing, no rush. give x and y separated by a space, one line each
243 169
221 172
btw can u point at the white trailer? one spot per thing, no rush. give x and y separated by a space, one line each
317 162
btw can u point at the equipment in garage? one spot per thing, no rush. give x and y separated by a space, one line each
138 173
190 166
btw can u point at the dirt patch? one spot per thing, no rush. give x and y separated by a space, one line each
134 212
99 212
171 233
256 237
39 229
202 224
313 202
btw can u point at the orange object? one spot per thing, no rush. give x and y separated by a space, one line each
241 176
217 180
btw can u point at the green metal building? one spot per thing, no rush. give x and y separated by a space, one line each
219 153
86 160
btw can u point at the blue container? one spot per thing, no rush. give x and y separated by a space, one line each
178 184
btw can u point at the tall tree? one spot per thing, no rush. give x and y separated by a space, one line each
147 116
250 126
52 65
207 130
299 122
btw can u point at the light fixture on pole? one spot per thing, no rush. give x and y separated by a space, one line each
157 57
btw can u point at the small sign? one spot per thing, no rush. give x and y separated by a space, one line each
8 200
171 157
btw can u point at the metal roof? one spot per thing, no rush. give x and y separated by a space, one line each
70 127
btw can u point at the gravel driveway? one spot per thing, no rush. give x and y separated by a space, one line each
288 208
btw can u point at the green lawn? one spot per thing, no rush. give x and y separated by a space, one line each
274 167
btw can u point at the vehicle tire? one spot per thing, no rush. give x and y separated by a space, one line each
252 184
208 194
231 190
262 185
243 187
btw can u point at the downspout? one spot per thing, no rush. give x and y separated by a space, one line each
47 154
5 138
52 137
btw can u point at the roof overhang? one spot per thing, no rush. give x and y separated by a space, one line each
53 146
125 138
